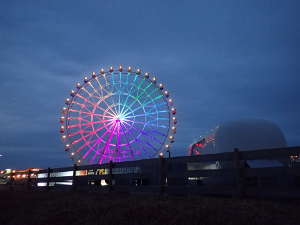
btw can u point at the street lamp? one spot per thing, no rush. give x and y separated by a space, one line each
169 153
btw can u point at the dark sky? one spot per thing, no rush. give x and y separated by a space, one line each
221 60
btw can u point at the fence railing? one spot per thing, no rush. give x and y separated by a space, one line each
222 173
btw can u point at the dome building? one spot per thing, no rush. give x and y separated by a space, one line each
242 134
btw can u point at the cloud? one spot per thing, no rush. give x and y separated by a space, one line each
220 60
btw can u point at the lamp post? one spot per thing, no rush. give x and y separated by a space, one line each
169 153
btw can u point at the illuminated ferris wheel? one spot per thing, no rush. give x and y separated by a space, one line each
117 116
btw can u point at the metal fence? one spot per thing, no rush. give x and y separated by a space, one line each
219 174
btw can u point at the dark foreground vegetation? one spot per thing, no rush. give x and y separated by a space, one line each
55 208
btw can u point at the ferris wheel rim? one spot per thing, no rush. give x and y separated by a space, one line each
165 142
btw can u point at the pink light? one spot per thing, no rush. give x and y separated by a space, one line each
90 113
93 147
90 133
107 143
98 141
86 124
77 132
93 104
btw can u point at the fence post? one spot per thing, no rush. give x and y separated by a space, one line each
29 180
162 173
12 181
239 168
110 176
48 178
74 184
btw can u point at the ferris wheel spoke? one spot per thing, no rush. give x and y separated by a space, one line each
100 98
128 143
83 137
147 103
100 95
146 143
154 123
108 106
142 145
135 98
87 124
120 81
154 106
119 104
104 100
94 104
159 133
145 114
76 118
95 90
83 106
111 94
118 140
92 148
112 111
99 140
90 113
107 145
152 100
126 120
115 99
148 123
127 79
88 93
113 79
147 135
77 132
139 96
101 87
139 87
129 93
82 146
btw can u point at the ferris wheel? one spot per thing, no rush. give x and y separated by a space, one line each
117 116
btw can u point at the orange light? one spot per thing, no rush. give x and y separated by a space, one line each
120 68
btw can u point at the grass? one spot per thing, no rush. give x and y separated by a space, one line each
79 208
